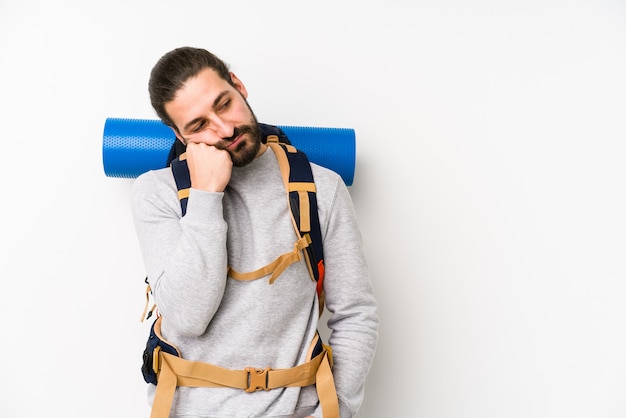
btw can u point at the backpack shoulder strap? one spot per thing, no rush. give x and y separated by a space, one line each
300 186
180 170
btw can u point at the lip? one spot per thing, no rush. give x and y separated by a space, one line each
235 142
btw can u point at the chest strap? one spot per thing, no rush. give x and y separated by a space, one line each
277 266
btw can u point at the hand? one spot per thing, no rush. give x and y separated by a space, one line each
209 168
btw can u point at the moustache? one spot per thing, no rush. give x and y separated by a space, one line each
237 131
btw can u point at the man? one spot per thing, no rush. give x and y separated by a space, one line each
238 219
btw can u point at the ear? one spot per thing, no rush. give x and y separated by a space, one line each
239 85
178 136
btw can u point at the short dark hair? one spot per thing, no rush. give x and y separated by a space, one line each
174 69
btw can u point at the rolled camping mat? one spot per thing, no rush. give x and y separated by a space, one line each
131 147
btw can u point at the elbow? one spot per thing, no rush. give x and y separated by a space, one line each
193 326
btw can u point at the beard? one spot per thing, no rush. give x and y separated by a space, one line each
248 148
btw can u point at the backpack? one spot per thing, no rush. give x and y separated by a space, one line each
300 187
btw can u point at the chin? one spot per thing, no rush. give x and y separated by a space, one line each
245 153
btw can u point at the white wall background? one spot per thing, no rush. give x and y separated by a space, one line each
489 186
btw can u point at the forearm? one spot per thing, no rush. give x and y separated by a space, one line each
353 339
185 258
189 283
350 300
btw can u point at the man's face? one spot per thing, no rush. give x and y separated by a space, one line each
207 109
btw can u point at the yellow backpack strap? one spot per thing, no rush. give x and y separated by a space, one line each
277 266
300 186
145 309
174 371
324 380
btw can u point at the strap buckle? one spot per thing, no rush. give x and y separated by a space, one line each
257 379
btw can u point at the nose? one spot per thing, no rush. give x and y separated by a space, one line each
222 128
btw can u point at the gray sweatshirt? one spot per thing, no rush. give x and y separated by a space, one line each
213 318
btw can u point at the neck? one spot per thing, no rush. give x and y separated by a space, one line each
262 149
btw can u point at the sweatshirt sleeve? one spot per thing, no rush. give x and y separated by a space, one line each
353 320
185 257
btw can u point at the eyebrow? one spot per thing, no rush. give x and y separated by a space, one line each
219 97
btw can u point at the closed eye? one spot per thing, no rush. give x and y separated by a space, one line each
198 127
224 104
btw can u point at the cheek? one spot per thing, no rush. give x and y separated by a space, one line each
242 113
207 137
